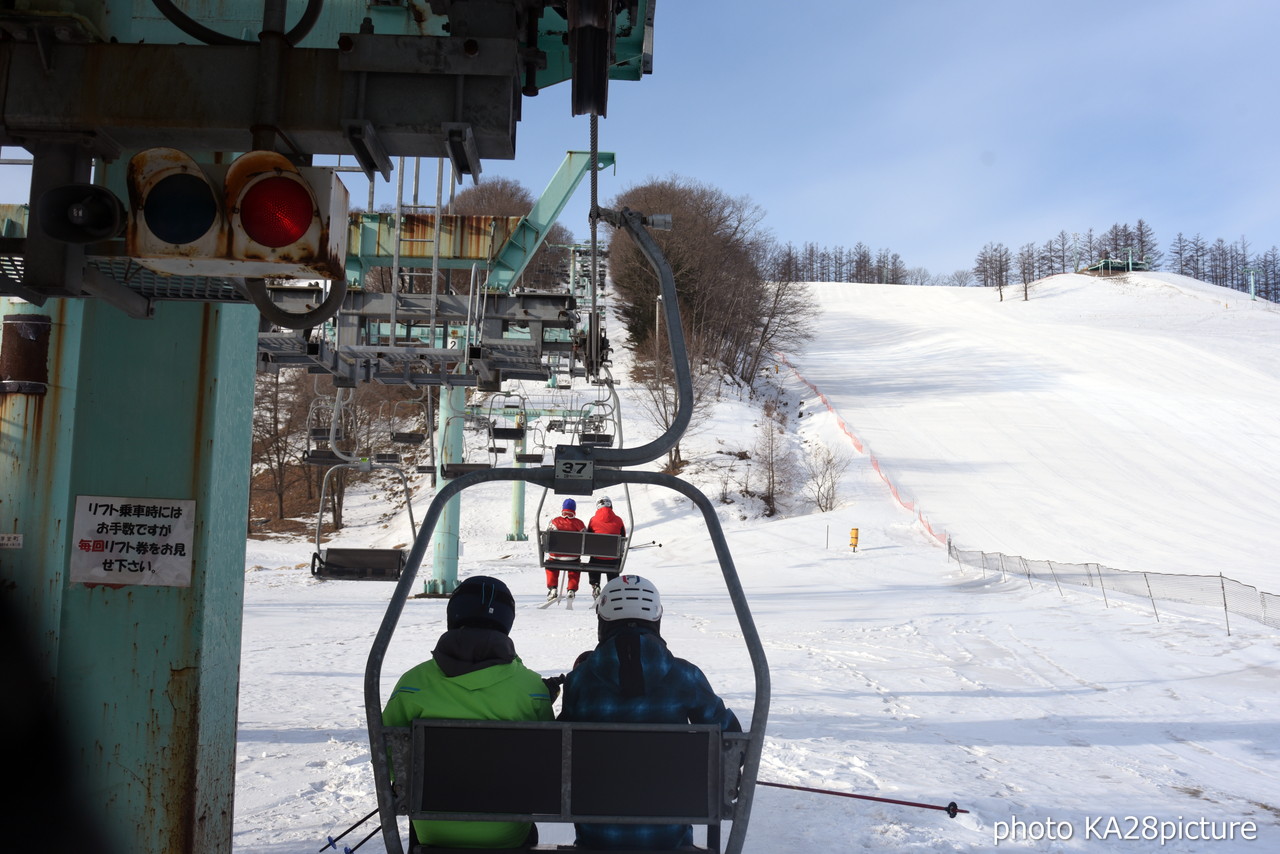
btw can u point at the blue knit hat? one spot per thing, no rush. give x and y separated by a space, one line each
481 602
569 504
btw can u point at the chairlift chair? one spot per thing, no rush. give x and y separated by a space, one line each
359 564
416 409
564 789
501 426
457 469
593 428
326 425
354 564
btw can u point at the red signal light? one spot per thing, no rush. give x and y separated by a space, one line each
277 211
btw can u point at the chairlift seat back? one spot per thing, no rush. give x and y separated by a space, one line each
322 457
558 771
505 434
358 564
408 438
582 543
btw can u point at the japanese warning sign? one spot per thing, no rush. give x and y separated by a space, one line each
132 541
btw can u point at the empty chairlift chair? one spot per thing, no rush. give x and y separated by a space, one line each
360 564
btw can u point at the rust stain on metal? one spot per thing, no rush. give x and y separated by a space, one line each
461 237
26 413
182 733
24 353
203 375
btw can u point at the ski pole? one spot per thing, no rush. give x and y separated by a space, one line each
647 545
333 840
950 809
362 841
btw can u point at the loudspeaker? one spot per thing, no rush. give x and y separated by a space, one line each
80 213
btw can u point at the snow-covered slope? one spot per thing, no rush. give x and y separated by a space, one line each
1132 422
1127 423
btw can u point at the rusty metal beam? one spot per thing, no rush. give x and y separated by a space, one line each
115 97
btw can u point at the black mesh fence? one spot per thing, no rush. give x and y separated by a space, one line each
1211 591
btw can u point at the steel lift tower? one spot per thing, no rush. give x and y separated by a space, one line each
162 138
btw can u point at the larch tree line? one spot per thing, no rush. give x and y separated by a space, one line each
1229 265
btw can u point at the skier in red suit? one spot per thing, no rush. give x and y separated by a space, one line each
604 522
566 521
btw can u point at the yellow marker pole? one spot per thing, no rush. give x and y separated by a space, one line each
853 539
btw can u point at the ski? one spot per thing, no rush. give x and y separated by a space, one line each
568 600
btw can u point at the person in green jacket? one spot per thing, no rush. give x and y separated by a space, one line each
473 674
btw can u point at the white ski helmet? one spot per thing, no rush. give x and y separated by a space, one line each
604 501
629 597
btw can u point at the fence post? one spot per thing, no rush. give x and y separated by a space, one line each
1152 595
1225 614
1103 586
1026 567
1055 579
982 563
1004 576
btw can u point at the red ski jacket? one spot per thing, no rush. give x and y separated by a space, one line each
566 521
607 522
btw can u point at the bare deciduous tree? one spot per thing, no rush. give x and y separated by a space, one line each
715 250
775 462
1027 268
279 424
992 267
785 315
824 469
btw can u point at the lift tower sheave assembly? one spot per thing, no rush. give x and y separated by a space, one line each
141 261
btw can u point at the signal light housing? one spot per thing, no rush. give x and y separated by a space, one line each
259 217
175 212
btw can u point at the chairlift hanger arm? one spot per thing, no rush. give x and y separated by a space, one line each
633 224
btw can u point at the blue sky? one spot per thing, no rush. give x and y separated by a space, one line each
931 127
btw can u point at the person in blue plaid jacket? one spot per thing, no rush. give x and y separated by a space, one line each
631 677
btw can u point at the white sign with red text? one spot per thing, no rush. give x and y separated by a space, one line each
147 541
